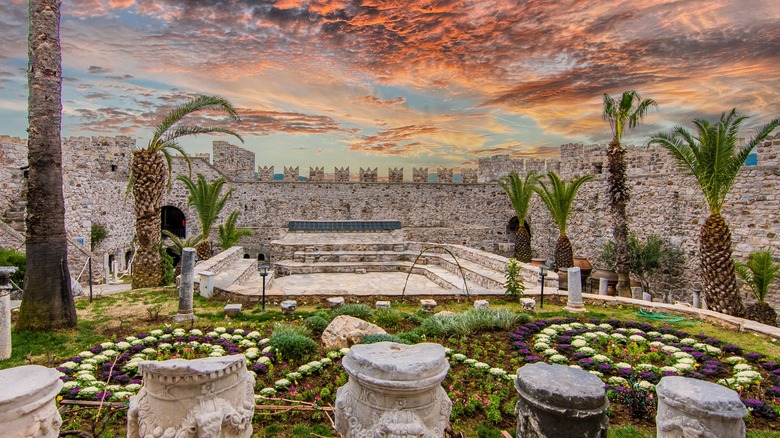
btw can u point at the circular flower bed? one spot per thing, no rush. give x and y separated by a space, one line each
633 357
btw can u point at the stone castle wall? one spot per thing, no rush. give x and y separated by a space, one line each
663 201
234 161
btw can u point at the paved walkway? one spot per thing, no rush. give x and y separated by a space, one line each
371 283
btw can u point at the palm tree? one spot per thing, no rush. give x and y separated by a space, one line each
759 273
176 245
229 235
48 302
520 192
150 169
713 159
627 111
208 203
558 198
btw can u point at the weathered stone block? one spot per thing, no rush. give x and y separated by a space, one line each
212 397
696 408
529 304
335 302
428 305
481 304
382 304
288 306
345 331
394 390
233 309
560 401
27 406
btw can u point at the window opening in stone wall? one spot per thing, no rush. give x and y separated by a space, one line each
246 256
598 168
261 257
113 167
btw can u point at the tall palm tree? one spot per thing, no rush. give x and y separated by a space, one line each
520 192
48 302
205 197
621 113
558 198
713 159
150 169
229 235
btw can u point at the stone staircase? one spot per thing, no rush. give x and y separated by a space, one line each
231 272
14 215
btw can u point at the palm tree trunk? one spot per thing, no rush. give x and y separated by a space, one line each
564 255
618 199
204 250
522 245
717 268
149 174
48 302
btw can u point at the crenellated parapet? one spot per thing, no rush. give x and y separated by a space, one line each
444 175
291 173
316 174
395 175
265 173
368 175
469 176
420 175
342 174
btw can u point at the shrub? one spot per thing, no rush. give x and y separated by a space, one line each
411 337
12 257
316 323
97 234
470 322
387 318
487 431
288 341
357 310
373 339
168 268
297 329
515 286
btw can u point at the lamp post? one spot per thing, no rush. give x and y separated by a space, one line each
263 273
542 274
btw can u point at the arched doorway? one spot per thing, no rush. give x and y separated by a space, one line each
512 226
174 221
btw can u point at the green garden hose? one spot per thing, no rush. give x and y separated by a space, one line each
664 317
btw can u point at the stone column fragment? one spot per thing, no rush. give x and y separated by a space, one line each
574 303
560 401
208 398
186 286
5 311
394 390
696 408
27 407
603 286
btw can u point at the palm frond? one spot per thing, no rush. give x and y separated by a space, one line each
628 111
199 103
559 196
183 131
177 244
712 156
519 190
759 272
229 235
207 199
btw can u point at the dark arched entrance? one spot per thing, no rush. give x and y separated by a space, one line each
174 221
513 225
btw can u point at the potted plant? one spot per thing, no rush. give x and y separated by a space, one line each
645 258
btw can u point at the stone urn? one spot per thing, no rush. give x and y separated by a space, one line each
27 407
204 398
394 391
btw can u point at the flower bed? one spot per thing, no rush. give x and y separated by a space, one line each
631 358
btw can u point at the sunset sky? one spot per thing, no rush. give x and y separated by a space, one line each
392 83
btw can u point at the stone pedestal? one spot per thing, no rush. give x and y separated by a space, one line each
574 303
186 286
5 311
394 390
206 284
335 302
232 309
603 286
529 304
695 408
481 304
27 407
696 299
204 398
428 306
559 401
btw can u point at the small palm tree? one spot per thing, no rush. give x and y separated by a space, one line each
558 198
150 170
176 245
208 202
520 191
713 159
622 113
759 273
229 235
